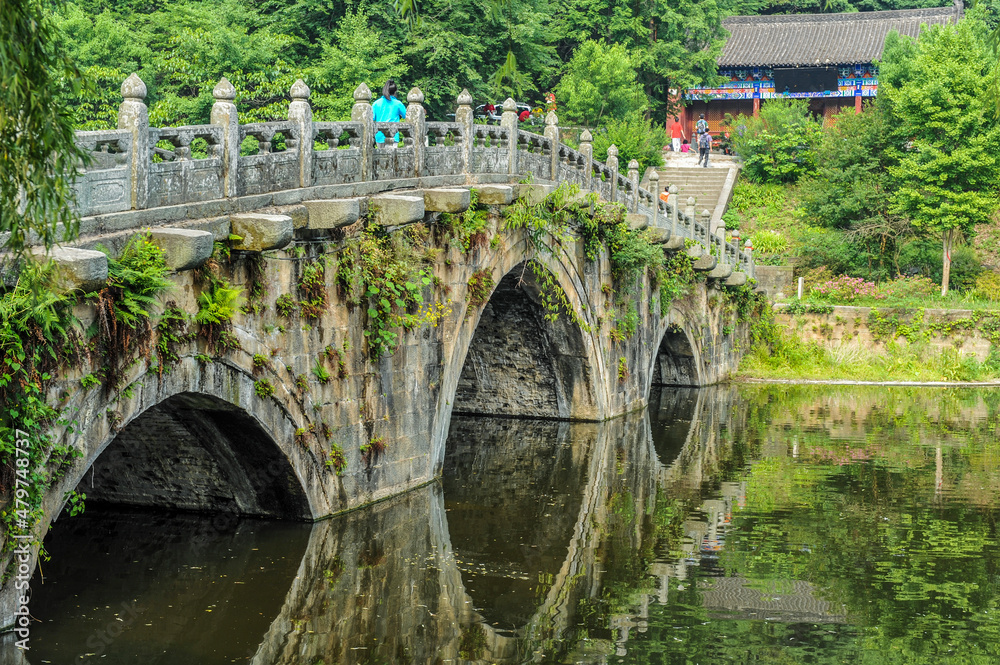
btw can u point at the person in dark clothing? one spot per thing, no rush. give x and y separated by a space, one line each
704 148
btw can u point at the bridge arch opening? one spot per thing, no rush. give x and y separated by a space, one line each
519 363
196 452
677 362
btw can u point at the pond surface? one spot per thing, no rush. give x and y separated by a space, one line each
734 524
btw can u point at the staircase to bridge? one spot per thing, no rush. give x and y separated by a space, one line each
296 417
711 188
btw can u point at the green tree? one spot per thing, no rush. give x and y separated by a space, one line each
600 82
852 189
358 54
949 173
636 138
778 146
38 160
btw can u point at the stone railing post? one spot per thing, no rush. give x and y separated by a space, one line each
675 209
362 112
633 178
416 115
612 165
552 133
587 150
721 232
689 213
300 113
509 122
224 115
654 187
464 116
134 117
748 250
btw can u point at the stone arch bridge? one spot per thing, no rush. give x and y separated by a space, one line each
255 429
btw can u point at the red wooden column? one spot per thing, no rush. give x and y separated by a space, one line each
857 104
756 107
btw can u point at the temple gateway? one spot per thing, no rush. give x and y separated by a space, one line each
825 58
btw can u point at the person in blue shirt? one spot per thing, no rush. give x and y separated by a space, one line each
388 109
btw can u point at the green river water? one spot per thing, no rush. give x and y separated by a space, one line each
735 524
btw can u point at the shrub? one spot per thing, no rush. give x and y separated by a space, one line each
122 326
846 289
480 287
916 286
987 286
769 247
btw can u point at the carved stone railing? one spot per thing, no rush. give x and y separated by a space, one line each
137 167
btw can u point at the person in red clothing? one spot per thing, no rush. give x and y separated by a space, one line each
525 114
676 134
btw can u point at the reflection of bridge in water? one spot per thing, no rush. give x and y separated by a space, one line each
516 539
491 564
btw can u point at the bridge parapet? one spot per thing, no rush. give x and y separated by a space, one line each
218 168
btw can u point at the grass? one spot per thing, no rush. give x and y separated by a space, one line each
954 300
790 358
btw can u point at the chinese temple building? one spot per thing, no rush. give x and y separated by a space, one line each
826 58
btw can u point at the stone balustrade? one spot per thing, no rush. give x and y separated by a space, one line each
142 168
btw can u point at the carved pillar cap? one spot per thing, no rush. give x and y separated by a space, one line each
586 137
633 165
673 189
224 91
133 89
415 96
300 91
464 98
509 106
748 244
612 150
654 176
362 93
551 119
691 201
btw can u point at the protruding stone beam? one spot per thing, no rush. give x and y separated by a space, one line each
183 249
533 193
721 271
637 221
259 232
133 116
224 115
332 213
706 263
658 236
77 269
397 209
447 200
674 244
495 195
736 279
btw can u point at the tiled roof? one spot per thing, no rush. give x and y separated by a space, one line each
822 39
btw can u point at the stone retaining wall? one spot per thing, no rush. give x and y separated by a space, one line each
960 329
